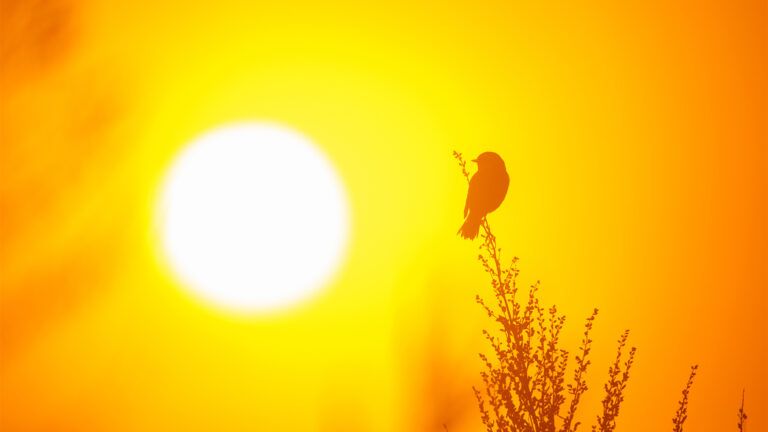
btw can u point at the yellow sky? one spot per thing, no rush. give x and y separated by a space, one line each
634 135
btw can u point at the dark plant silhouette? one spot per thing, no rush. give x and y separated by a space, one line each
742 415
614 388
524 381
682 409
579 385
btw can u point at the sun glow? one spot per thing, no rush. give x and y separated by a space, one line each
252 217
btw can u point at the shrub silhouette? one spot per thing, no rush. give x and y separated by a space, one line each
682 409
524 380
614 388
742 415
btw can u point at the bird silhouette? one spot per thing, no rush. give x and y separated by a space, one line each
487 190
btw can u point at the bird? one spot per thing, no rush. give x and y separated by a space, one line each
487 190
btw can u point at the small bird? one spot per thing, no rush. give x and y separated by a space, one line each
487 190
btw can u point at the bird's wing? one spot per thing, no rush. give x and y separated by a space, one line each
474 194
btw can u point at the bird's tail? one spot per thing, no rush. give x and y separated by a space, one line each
470 228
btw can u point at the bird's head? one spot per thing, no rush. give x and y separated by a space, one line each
490 160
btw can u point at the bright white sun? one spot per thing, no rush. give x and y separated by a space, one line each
252 217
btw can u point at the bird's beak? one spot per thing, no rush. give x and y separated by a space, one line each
474 160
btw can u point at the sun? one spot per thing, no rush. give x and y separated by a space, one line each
252 218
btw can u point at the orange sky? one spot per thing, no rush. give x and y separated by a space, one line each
635 138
